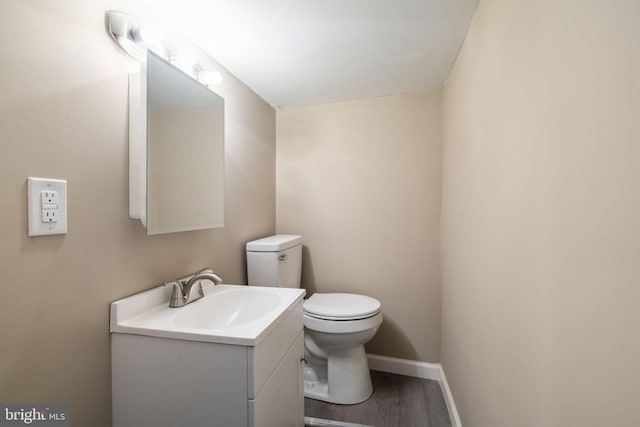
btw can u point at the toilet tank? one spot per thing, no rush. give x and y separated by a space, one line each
275 261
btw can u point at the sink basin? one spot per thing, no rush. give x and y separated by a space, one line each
227 314
228 309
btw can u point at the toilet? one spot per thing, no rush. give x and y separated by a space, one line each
336 325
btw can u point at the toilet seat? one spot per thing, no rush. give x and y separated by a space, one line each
340 306
342 326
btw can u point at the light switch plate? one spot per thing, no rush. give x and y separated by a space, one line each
37 207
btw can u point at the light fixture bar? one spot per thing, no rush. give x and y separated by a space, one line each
134 37
124 30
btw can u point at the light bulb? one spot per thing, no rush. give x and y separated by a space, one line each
210 78
184 60
147 34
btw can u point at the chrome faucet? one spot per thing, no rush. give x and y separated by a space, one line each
189 289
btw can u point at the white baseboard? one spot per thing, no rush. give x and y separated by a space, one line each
413 368
410 368
448 400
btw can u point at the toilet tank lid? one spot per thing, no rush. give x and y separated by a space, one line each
276 243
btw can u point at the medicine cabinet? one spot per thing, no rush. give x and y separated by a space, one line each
176 150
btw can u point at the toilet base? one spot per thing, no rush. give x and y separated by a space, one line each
342 378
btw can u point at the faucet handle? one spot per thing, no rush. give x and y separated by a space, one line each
172 283
185 279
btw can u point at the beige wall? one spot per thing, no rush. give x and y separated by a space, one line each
360 181
63 114
541 215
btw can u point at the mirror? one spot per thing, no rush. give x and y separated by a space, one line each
176 150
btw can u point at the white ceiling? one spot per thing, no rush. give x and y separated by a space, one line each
305 52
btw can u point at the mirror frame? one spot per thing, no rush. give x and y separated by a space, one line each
138 144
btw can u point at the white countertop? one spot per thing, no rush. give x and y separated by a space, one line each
148 313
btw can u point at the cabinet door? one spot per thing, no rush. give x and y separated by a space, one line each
281 401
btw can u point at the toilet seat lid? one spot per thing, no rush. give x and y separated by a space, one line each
341 306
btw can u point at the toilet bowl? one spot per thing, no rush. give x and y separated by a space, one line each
336 328
336 325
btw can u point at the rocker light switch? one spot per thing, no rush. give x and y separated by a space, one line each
47 200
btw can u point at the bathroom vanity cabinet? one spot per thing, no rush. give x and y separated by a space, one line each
159 381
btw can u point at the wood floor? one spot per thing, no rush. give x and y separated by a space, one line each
397 401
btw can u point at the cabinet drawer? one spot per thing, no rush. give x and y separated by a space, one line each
264 357
281 401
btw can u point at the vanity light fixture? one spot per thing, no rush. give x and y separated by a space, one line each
132 36
135 37
209 78
186 61
147 34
